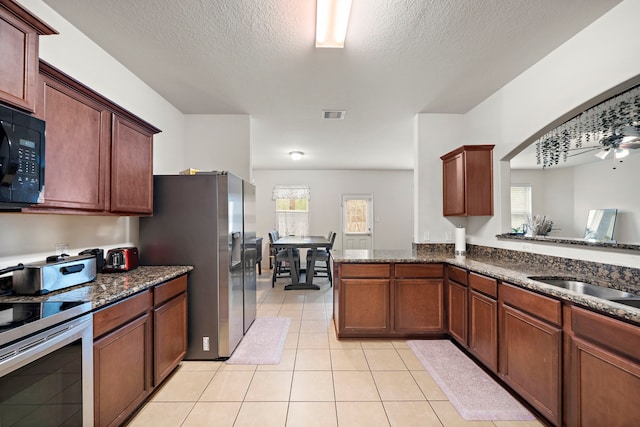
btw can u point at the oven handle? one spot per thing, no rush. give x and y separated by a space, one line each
26 350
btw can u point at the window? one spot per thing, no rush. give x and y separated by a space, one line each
520 205
292 209
357 214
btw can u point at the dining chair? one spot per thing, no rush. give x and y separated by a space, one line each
281 267
322 256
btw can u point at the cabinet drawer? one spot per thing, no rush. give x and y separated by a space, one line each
611 333
419 270
365 270
483 284
166 291
540 306
457 274
122 312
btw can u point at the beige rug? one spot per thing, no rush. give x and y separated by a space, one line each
470 390
263 343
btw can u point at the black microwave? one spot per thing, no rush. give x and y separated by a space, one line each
21 159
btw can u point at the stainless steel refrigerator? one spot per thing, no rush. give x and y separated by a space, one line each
207 220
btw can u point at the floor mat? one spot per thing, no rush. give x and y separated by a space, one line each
263 343
474 394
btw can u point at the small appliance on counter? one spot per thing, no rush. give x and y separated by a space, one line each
53 274
99 254
121 259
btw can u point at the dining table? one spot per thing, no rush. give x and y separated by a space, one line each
289 243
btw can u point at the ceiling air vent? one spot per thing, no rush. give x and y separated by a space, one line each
333 115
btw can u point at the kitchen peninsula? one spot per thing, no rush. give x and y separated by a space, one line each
582 348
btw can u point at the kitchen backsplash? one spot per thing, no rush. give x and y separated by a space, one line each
615 276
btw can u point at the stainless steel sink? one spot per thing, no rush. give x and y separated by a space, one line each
587 289
633 302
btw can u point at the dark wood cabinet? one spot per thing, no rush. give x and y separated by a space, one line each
138 342
386 300
77 154
99 157
131 168
530 345
418 298
122 359
467 181
169 327
19 32
457 300
603 370
483 319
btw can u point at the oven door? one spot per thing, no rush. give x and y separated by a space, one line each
47 379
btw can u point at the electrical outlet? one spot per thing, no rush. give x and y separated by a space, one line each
527 247
205 344
448 236
427 236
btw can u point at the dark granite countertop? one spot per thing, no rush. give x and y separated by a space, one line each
516 274
111 287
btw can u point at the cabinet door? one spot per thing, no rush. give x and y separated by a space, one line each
170 336
530 355
483 329
419 305
604 387
19 65
122 371
77 151
131 168
364 306
453 186
457 311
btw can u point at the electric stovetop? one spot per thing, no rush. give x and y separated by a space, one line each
20 319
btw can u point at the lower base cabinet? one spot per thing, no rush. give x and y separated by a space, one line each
603 371
483 329
389 300
121 371
137 343
530 349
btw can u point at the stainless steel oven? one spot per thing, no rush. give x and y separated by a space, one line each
46 364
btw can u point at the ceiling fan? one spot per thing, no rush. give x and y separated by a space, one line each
619 143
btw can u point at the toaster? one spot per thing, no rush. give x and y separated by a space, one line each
121 259
57 272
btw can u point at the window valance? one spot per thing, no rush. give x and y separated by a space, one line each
291 192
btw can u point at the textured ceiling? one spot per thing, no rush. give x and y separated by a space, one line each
258 57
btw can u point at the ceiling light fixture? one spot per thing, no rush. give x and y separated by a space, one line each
296 155
332 19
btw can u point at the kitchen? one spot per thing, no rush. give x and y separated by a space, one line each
506 118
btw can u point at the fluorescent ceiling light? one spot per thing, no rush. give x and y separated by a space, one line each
296 155
332 19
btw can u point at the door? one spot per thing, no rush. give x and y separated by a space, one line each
357 221
250 254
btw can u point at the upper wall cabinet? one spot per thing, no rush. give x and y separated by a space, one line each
467 181
19 32
99 157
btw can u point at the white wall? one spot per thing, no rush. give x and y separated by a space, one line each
569 76
552 195
614 189
392 201
218 142
567 194
435 135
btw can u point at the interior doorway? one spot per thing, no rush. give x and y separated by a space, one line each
357 221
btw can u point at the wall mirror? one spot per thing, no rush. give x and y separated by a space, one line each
570 178
600 224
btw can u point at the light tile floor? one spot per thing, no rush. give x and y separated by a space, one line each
320 381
